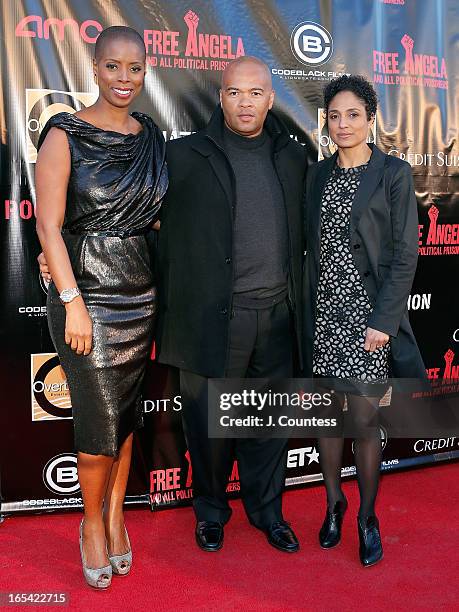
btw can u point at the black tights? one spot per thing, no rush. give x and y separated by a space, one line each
367 451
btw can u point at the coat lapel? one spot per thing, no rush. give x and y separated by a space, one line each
368 183
317 189
208 148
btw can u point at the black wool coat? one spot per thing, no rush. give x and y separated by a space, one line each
195 245
384 246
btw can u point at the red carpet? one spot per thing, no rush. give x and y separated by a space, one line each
418 511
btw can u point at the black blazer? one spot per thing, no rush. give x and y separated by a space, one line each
195 267
384 247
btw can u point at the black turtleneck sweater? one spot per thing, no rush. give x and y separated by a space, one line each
260 247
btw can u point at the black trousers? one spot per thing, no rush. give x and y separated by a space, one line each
260 347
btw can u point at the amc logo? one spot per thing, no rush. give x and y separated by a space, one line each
60 474
42 104
88 30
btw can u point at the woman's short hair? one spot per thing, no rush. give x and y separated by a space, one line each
358 85
115 33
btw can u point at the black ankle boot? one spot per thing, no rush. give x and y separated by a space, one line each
370 550
330 532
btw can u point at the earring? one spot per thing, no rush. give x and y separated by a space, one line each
95 78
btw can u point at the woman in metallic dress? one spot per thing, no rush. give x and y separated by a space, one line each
100 179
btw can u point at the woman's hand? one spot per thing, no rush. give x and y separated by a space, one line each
78 327
374 339
44 270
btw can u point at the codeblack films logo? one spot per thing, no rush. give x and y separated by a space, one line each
311 43
42 104
326 146
50 391
60 474
32 311
312 47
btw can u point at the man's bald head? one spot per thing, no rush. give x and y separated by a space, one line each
246 95
245 63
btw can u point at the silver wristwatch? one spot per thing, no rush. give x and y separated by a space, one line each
67 295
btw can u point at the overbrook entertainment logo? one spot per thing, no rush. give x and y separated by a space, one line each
419 69
50 391
202 51
441 238
42 104
326 146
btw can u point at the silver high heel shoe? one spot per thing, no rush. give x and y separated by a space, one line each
121 564
99 578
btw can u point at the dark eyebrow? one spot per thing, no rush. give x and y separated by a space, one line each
252 89
110 59
334 110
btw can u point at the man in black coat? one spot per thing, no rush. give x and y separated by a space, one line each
230 268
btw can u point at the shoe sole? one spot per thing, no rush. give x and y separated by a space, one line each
374 562
118 574
329 547
101 588
294 550
205 549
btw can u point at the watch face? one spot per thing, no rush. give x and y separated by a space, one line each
67 295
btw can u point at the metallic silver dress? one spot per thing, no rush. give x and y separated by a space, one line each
115 190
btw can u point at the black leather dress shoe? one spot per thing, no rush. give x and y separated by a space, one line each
330 532
209 535
370 550
281 536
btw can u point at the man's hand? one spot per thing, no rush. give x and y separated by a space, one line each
44 270
375 339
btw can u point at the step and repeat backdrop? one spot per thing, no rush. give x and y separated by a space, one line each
409 49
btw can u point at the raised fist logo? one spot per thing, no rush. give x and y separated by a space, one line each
433 214
192 21
408 45
449 356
